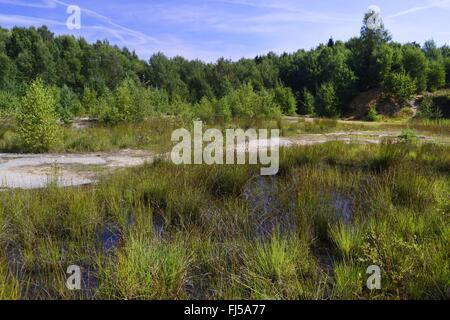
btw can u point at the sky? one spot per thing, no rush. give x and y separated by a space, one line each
210 29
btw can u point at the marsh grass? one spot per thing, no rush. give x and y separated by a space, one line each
188 231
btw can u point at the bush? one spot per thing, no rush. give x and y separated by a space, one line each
9 103
37 120
326 101
406 112
89 100
447 71
436 76
267 105
68 105
243 101
284 98
372 114
428 110
124 100
308 103
204 110
400 86
107 111
408 136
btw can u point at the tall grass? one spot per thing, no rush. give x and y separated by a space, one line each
162 231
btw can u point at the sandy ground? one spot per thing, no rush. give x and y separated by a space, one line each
29 171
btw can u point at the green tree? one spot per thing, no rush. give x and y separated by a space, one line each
335 70
447 71
308 103
400 86
68 105
267 105
9 103
89 100
436 76
371 57
37 120
107 110
243 101
284 98
7 72
428 110
415 63
204 109
326 101
372 113
69 62
124 99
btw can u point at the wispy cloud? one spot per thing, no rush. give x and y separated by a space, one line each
102 27
443 4
40 4
209 29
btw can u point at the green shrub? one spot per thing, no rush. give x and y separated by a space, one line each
37 121
428 110
284 98
406 112
308 103
204 110
436 76
9 103
107 111
400 86
372 114
326 101
68 105
408 136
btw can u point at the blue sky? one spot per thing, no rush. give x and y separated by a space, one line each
210 29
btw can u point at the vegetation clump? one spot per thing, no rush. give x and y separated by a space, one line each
37 120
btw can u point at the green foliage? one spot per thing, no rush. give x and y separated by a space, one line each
371 56
284 98
68 105
408 136
372 114
326 101
107 110
204 110
428 110
436 76
447 71
415 64
308 103
124 99
89 100
246 102
400 86
91 73
37 120
9 103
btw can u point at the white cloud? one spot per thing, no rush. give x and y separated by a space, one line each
442 4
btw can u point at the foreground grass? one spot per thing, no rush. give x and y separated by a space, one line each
155 232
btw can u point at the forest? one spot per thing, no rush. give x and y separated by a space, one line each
114 85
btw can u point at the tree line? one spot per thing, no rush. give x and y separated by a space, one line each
113 84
